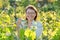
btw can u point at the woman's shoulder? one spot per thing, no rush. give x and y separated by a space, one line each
39 24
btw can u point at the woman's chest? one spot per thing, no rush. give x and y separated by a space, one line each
24 25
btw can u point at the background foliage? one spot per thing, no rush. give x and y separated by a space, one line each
49 16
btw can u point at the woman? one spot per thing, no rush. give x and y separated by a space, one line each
31 15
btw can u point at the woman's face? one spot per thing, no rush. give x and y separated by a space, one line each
30 14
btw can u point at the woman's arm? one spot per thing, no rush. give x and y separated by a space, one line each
18 22
39 31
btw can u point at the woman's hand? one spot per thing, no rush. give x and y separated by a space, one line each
18 21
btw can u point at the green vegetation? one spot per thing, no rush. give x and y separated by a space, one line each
49 16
